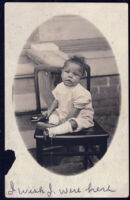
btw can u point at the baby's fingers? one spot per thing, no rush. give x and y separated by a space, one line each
44 113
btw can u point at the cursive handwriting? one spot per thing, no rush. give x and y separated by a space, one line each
98 189
61 191
69 190
50 192
11 192
24 191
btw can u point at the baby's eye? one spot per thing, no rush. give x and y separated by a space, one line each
66 71
76 74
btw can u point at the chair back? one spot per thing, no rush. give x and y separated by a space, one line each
87 76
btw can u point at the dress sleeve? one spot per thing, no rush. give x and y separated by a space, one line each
81 99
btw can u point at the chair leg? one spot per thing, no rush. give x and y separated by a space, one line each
86 157
103 148
39 145
91 163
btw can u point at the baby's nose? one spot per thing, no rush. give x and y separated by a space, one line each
70 74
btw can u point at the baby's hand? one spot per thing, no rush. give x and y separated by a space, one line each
45 114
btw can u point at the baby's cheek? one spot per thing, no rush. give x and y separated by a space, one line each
77 80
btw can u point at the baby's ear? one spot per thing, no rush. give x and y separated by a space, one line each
83 75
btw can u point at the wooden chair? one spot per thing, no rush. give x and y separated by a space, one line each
90 137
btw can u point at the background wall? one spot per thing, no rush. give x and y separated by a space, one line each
74 36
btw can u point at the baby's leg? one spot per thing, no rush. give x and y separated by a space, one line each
41 127
40 131
72 125
67 127
54 118
53 121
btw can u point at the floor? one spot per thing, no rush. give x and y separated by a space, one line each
62 165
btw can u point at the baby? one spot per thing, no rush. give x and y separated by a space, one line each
71 110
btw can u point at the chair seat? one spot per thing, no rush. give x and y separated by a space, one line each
95 134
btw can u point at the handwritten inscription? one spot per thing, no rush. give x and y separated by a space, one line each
69 191
61 191
98 189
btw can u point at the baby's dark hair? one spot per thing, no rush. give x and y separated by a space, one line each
78 60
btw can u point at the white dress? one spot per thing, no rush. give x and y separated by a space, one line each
69 97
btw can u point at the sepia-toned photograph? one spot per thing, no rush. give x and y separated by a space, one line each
66 95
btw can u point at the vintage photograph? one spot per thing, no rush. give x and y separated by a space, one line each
66 93
66 99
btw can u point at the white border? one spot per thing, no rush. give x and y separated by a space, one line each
111 19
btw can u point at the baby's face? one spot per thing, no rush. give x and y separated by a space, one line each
71 74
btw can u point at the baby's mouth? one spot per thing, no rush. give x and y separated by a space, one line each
68 80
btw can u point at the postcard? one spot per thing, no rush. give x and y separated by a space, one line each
66 99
